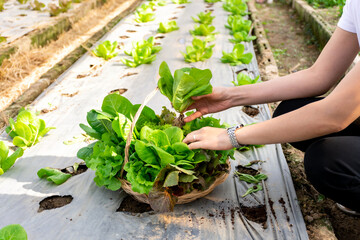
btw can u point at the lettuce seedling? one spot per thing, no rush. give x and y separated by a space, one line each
64 6
144 16
6 161
253 189
13 232
53 175
159 2
212 1
243 79
203 30
198 51
27 130
2 2
186 83
145 7
251 179
242 37
236 7
238 24
168 27
2 39
143 52
36 5
106 50
204 18
180 1
22 1
237 56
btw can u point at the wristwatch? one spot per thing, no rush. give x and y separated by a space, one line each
231 133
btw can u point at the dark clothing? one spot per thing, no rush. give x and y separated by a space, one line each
332 162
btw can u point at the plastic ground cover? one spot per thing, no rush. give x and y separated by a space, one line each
18 19
92 213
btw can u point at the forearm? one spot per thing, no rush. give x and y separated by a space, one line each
308 122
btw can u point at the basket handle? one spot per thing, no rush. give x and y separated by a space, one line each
136 117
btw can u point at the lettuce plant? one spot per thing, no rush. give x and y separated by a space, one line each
160 164
243 79
203 30
236 23
143 52
198 51
186 83
180 1
167 27
150 6
236 7
2 5
27 130
106 50
2 39
159 2
36 5
22 1
212 1
204 18
242 37
6 161
53 175
144 16
237 56
64 6
13 232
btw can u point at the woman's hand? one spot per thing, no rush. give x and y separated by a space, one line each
211 103
209 138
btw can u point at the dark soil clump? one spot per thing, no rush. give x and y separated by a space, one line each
250 111
255 214
245 170
131 205
54 202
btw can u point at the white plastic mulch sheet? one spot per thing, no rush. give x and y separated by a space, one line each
16 20
223 214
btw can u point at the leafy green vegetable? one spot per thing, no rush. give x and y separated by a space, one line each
204 18
6 161
22 1
180 1
237 23
150 6
64 6
159 2
53 175
186 83
144 15
203 30
242 37
1 8
248 147
13 232
28 129
36 5
253 189
143 52
251 179
198 51
237 56
168 27
212 1
236 7
243 79
106 50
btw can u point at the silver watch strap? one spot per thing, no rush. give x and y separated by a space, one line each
232 136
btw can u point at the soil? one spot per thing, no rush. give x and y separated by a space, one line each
173 18
54 202
124 37
131 31
295 48
119 91
70 170
128 74
250 111
255 214
246 170
131 205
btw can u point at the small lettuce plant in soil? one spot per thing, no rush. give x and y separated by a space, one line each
27 130
13 232
106 50
6 160
181 1
238 24
199 51
204 18
160 164
166 27
203 30
236 7
243 79
237 56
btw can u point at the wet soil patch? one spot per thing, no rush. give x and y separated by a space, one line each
71 170
54 202
255 214
246 170
250 111
130 31
119 91
124 37
131 205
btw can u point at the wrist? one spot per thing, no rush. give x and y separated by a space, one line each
231 131
237 96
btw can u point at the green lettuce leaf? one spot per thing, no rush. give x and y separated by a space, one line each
13 232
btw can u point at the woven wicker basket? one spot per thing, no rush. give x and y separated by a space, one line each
186 198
